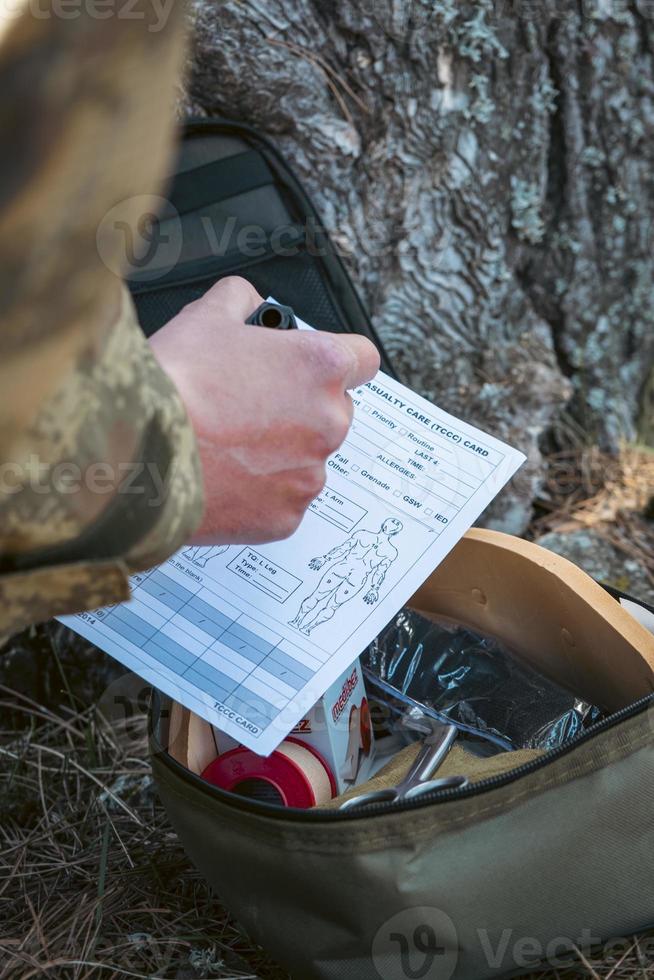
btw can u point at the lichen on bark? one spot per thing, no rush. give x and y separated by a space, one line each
486 170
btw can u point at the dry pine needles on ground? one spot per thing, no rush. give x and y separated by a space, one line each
612 495
94 883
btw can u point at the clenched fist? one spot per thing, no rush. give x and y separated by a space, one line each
268 407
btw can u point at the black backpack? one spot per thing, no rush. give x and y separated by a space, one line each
235 208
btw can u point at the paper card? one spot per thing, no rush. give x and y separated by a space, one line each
251 637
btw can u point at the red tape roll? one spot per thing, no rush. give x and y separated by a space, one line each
296 771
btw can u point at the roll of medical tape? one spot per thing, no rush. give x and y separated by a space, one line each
294 775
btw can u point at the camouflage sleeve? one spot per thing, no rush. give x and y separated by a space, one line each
99 473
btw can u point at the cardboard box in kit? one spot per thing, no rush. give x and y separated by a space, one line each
338 727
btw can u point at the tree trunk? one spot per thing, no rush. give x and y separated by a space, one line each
487 170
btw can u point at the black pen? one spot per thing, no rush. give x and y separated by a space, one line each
275 316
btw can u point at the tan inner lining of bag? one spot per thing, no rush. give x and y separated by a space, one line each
191 740
458 762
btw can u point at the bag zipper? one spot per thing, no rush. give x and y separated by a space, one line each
381 809
439 796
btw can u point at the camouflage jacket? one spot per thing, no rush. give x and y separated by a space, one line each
99 473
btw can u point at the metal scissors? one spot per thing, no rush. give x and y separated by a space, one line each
417 781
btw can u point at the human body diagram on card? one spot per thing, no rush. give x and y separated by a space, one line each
200 555
250 637
360 562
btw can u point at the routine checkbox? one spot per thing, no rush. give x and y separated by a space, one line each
402 432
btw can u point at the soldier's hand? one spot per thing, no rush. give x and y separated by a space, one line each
268 407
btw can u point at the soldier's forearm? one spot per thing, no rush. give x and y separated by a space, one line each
119 491
98 467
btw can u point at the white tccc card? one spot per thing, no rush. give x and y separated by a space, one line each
250 638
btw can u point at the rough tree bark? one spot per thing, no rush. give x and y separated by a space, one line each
487 170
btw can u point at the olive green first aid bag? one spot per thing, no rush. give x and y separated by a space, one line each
540 852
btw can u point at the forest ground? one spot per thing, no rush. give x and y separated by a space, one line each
94 882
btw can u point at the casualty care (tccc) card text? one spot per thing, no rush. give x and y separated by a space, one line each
251 637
